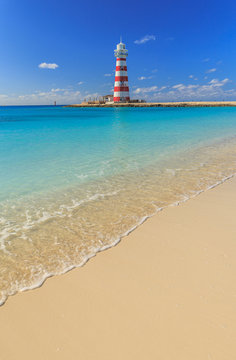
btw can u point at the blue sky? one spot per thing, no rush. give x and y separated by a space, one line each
178 50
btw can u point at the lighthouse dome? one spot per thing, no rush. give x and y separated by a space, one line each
120 46
121 50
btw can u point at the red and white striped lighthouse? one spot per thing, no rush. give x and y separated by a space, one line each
121 88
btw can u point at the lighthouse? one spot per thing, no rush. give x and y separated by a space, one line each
121 88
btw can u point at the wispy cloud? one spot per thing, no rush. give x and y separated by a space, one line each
214 89
107 84
209 86
145 39
145 77
80 83
211 70
145 90
216 82
40 97
108 74
193 77
177 86
57 90
206 60
45 65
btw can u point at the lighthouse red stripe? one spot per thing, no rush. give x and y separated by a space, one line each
121 78
121 88
121 68
121 59
117 99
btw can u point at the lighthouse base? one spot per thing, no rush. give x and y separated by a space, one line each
121 99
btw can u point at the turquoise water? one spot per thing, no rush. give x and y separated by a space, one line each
73 181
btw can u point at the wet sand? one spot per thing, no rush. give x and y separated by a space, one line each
167 292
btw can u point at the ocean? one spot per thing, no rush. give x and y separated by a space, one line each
74 181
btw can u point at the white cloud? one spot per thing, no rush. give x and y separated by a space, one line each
192 77
216 82
213 90
145 77
191 87
154 70
51 66
92 95
61 96
206 60
211 70
80 83
145 90
178 86
145 39
107 74
57 90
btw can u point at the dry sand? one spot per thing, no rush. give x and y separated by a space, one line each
167 291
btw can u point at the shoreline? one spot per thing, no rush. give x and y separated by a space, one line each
41 282
162 104
123 284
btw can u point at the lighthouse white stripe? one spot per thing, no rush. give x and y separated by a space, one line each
121 73
121 56
121 83
120 63
121 93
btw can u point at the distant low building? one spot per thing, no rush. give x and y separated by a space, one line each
137 101
95 101
107 98
92 102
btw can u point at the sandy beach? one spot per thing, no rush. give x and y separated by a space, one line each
167 291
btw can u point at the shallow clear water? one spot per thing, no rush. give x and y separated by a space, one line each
73 181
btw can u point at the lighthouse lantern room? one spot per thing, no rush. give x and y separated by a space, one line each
121 88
